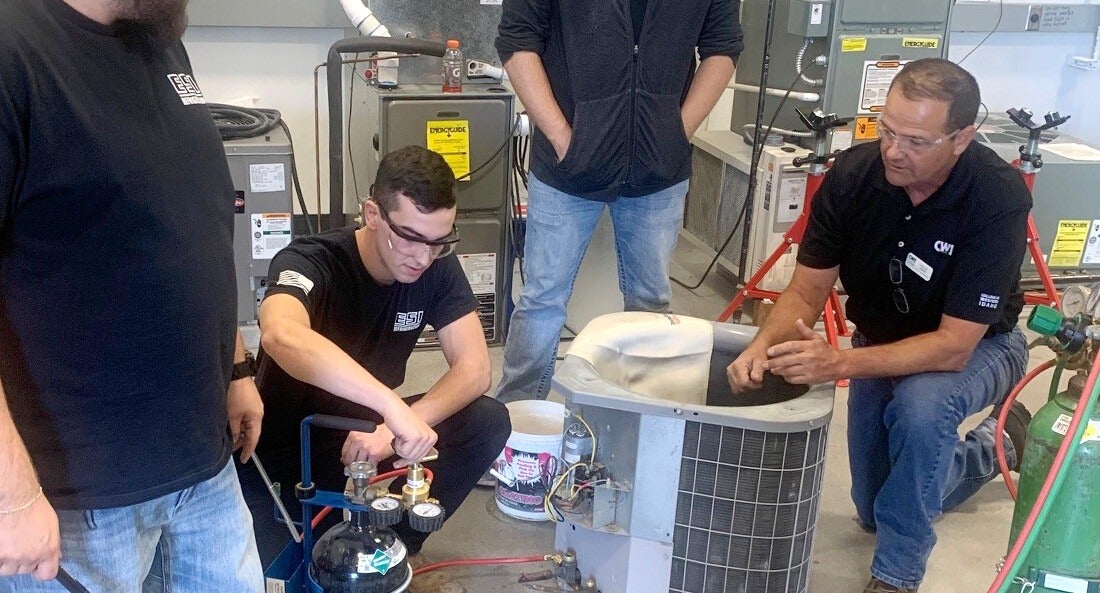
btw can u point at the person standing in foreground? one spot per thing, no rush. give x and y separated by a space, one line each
613 90
121 402
927 231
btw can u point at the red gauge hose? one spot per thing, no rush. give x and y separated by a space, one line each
1002 418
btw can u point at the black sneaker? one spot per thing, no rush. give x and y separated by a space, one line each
1015 428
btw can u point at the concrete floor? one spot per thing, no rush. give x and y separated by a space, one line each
972 539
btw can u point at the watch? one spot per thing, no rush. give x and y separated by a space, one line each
245 368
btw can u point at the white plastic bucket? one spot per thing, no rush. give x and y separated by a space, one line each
530 458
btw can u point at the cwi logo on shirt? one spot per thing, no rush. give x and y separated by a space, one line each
187 89
408 321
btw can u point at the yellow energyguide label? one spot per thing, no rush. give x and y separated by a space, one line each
920 42
1069 243
451 138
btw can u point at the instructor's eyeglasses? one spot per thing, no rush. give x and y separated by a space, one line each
912 144
411 245
900 302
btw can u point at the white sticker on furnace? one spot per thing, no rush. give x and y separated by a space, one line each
1091 254
270 233
267 177
481 271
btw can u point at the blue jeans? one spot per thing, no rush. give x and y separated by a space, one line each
559 226
908 464
204 534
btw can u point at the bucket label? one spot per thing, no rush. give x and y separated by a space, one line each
530 475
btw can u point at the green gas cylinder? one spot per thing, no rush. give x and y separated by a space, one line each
1066 554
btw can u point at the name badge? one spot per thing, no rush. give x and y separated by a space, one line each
918 266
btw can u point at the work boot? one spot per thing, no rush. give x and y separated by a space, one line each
876 586
1015 428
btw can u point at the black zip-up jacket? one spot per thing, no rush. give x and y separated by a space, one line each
621 99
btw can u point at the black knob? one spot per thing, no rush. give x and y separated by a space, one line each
384 511
426 517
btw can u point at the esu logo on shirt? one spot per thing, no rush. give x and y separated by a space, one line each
408 321
188 90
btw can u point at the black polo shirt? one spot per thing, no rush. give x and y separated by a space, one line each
959 252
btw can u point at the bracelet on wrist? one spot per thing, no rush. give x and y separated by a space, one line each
25 505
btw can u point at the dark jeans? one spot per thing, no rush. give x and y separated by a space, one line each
468 443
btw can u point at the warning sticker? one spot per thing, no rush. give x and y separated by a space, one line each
267 177
481 271
853 44
451 138
1069 243
921 42
877 76
866 128
270 233
792 194
1092 431
1092 245
381 561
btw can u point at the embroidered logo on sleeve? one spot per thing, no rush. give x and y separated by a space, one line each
408 321
988 301
295 279
187 89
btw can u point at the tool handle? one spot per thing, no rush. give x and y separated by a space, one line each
69 582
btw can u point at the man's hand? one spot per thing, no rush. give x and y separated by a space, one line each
412 437
30 542
246 413
807 361
368 446
747 371
560 141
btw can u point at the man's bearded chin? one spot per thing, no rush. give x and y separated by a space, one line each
162 21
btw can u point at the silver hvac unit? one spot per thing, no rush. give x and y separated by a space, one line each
845 51
262 225
688 489
1064 193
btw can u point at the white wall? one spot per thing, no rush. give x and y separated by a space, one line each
1029 70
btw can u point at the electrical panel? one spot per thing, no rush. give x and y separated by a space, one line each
845 51
263 206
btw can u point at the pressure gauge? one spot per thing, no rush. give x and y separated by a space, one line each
1075 299
426 516
384 511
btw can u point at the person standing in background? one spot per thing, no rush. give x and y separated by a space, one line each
615 95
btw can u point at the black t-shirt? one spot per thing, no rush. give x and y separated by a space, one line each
957 253
116 265
376 324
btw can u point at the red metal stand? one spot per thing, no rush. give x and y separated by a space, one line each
1049 296
835 324
1029 164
